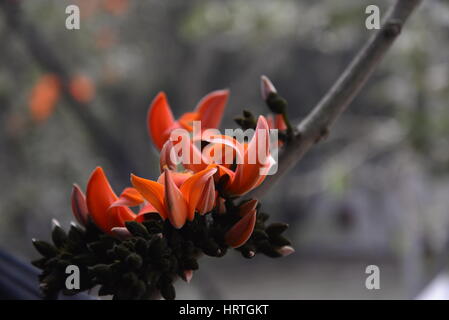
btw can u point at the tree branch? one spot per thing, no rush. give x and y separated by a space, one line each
316 125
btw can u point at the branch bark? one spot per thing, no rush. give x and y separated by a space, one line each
316 125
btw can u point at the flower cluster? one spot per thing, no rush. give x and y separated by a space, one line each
135 245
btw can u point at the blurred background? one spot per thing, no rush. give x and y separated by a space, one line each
375 192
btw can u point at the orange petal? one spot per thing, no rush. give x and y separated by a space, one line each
99 197
118 216
167 157
148 208
186 120
130 197
178 177
160 120
190 155
211 108
220 153
260 142
193 187
207 200
152 191
241 231
280 123
266 87
79 205
248 174
175 202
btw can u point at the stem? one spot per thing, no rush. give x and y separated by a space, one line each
316 125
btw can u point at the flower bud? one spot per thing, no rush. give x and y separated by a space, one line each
44 248
274 101
266 87
79 205
58 235
286 250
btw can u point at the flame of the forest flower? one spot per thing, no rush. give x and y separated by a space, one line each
178 201
207 198
161 122
253 160
99 198
43 97
248 175
202 175
82 88
242 229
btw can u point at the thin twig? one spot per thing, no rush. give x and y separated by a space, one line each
316 125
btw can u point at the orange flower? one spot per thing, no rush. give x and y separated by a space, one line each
167 156
179 201
277 122
160 120
242 230
253 160
99 198
81 88
252 169
44 96
130 197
